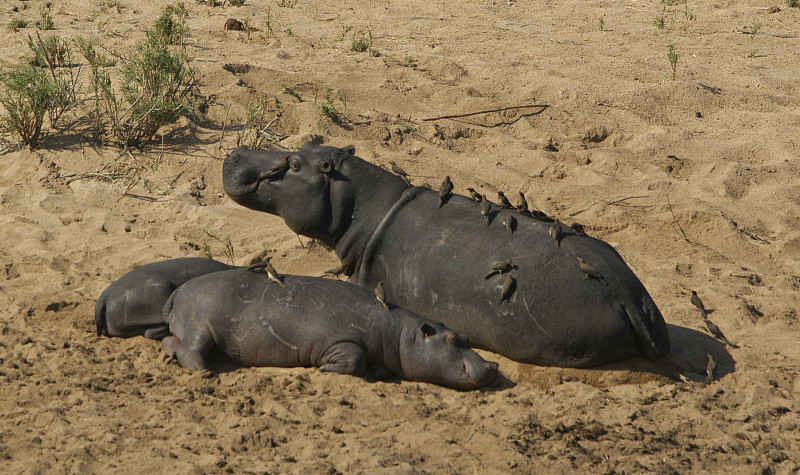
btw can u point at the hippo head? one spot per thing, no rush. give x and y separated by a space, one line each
295 186
319 191
436 354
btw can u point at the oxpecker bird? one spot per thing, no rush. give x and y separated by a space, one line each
380 295
271 272
500 268
509 286
475 195
444 191
590 272
504 203
486 208
555 233
697 302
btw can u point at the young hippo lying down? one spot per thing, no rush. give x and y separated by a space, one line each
310 321
132 305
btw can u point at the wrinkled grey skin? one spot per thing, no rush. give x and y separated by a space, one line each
132 305
433 261
336 326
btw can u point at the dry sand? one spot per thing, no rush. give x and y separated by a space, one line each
707 201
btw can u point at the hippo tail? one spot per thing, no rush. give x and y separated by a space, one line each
650 329
167 310
100 316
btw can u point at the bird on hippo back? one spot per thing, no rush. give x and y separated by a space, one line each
433 259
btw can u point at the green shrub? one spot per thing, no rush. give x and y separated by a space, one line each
156 83
154 90
362 41
18 24
26 96
251 135
46 85
169 30
46 23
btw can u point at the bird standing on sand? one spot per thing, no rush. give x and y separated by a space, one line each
500 268
697 302
475 195
380 295
504 203
710 367
271 272
556 233
509 286
486 208
444 191
590 272
714 329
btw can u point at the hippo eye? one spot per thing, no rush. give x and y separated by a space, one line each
451 339
428 330
294 164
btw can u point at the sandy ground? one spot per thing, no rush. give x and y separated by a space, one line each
695 181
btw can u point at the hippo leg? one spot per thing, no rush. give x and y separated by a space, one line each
345 358
157 333
190 351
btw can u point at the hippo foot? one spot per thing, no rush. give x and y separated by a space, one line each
381 373
170 344
188 357
344 358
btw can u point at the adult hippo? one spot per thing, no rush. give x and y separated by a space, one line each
434 261
132 305
311 321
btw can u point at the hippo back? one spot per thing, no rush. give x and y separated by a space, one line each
555 316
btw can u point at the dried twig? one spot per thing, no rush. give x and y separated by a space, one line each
130 186
628 198
735 225
776 35
676 223
224 121
501 109
711 89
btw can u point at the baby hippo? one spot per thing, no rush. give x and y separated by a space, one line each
336 326
133 304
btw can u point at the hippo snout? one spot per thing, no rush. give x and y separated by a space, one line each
240 174
480 371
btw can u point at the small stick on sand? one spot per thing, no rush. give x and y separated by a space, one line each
542 106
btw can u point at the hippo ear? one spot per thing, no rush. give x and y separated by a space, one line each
427 330
325 166
350 150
